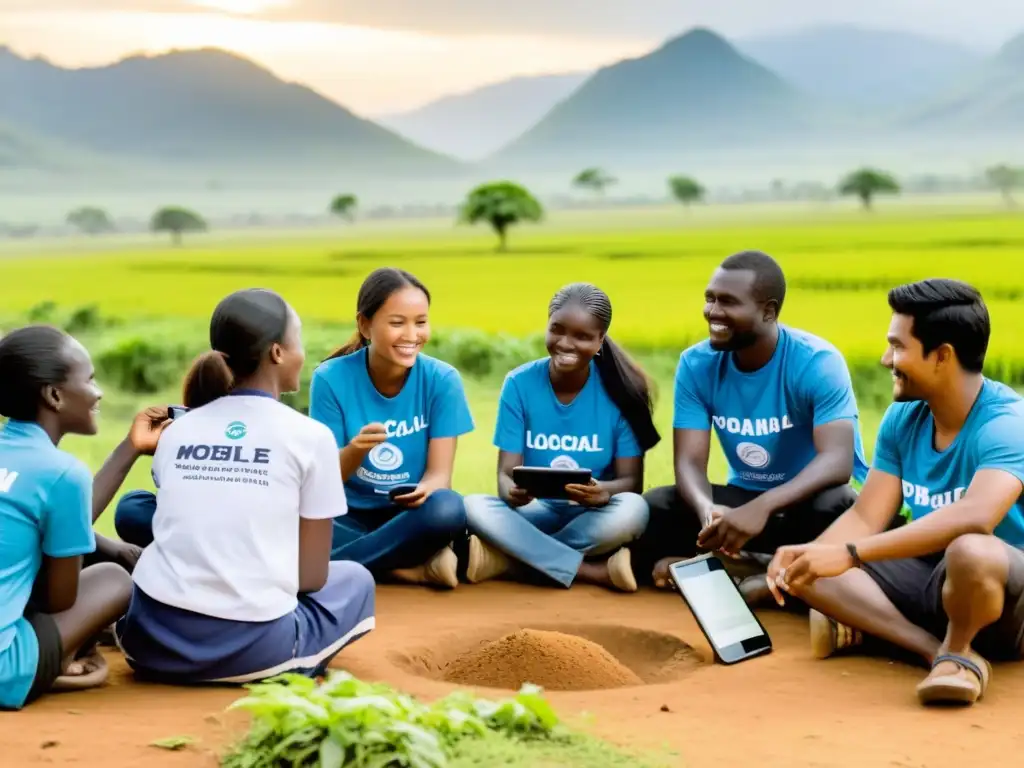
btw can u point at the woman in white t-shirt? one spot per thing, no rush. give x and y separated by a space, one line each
237 584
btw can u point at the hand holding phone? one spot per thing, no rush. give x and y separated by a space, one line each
407 495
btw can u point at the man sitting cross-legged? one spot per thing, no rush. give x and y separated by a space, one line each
949 585
782 405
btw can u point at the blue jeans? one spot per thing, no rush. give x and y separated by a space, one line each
386 539
553 536
381 540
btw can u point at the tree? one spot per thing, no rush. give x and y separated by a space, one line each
686 190
1005 178
91 221
501 204
177 221
343 206
866 183
594 179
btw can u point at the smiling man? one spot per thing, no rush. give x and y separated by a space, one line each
951 447
782 405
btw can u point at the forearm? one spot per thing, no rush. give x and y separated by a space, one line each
106 549
111 476
694 489
434 480
505 485
825 470
350 458
927 535
624 484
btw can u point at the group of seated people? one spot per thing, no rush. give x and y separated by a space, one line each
212 580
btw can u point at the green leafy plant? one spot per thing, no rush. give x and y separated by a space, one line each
298 723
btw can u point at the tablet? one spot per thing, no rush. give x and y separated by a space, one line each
549 482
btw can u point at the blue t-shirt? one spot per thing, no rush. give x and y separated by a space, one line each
991 438
765 419
45 509
589 433
432 404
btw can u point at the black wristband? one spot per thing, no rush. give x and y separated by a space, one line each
852 549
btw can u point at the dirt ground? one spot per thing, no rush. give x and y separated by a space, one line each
784 709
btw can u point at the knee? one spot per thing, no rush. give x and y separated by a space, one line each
353 575
835 501
658 500
476 506
632 514
444 512
975 558
134 511
113 580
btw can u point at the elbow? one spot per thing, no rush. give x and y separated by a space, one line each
60 602
838 467
313 582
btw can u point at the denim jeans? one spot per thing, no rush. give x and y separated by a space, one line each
386 539
554 536
381 540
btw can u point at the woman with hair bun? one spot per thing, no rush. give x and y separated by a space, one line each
52 609
235 583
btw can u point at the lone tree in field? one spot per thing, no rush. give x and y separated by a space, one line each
177 221
501 204
344 206
91 221
1005 178
594 179
867 183
686 190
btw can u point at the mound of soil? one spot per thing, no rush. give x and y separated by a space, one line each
552 660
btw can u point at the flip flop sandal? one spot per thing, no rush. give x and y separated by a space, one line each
955 688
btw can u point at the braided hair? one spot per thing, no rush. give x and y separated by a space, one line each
627 385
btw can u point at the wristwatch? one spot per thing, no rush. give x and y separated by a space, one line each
852 549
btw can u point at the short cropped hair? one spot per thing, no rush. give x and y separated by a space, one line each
769 282
946 312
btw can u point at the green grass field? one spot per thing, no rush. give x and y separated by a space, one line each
838 266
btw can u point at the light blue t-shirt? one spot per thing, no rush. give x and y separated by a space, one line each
991 438
432 404
765 419
589 433
45 509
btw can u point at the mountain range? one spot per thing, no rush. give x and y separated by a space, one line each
697 93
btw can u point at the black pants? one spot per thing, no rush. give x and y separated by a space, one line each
673 526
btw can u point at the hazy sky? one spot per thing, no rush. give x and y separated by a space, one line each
382 55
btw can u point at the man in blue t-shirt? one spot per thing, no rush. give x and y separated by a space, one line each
782 405
951 447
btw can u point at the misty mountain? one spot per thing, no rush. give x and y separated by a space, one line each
696 92
201 107
857 67
987 101
476 123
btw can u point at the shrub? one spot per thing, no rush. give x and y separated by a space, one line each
346 722
145 365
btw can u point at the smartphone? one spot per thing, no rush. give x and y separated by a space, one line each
400 490
176 411
731 628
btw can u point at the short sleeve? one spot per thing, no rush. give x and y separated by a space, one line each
324 407
323 494
510 429
67 523
829 388
887 449
449 409
1000 445
690 410
626 446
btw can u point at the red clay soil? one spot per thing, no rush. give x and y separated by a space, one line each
784 709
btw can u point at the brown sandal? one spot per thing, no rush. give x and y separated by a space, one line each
956 688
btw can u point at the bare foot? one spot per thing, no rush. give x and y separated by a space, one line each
87 671
615 573
662 580
439 571
755 591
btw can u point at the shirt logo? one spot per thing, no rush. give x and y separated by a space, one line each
564 462
386 457
7 480
753 427
920 496
236 431
580 443
753 455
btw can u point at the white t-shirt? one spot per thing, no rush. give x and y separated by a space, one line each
233 478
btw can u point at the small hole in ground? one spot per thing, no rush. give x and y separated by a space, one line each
555 657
